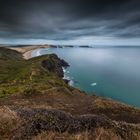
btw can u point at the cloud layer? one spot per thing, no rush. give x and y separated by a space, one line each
69 19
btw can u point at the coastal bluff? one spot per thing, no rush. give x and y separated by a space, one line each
36 103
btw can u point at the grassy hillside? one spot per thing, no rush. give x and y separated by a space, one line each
36 103
18 76
6 54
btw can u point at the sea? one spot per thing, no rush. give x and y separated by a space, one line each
112 72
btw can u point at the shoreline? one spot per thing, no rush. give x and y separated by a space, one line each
27 54
27 50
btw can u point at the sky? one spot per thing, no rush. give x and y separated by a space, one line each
72 22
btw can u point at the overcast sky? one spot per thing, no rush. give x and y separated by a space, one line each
114 22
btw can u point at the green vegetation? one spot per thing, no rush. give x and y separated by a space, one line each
25 76
36 103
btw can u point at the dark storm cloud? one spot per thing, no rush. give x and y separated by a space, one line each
67 19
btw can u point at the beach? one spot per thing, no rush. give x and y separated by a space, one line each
27 50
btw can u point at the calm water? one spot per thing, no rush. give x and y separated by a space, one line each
108 72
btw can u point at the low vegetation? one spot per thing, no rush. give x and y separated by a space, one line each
36 103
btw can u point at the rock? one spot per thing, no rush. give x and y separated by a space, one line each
60 46
69 46
66 81
84 46
53 46
55 65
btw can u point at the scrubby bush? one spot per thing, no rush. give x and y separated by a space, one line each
29 91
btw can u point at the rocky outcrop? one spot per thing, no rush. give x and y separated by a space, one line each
55 65
53 46
69 46
85 47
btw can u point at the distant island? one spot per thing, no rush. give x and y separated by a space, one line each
36 102
85 46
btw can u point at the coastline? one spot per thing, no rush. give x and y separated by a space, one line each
31 95
27 53
34 51
27 50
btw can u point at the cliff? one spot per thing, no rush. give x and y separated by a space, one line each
36 103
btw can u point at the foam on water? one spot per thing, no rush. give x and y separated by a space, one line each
71 82
93 84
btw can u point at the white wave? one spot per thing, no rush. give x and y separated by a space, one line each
68 72
71 82
38 52
64 70
93 84
66 77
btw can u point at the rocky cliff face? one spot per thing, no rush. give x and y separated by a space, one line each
55 65
36 103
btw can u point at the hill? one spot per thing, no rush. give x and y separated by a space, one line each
36 103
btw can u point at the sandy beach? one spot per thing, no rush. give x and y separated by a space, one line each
27 50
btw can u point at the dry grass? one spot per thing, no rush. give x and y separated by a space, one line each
23 126
9 123
98 134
